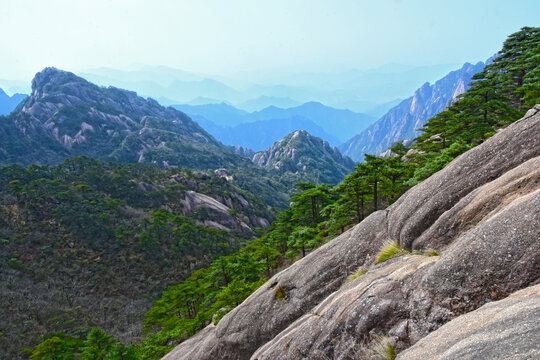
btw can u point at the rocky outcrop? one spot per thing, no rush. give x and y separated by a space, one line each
300 152
481 213
505 329
404 120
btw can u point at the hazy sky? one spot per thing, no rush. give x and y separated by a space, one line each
230 36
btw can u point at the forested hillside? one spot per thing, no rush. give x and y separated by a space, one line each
84 242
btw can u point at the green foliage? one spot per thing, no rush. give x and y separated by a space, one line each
433 162
97 345
499 95
84 227
56 346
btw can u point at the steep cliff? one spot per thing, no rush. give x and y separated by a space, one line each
403 121
481 214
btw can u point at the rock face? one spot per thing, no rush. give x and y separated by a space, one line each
403 121
300 152
66 116
505 329
481 213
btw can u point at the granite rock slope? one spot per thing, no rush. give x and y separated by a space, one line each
481 213
505 329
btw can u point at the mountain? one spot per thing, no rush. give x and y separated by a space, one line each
382 109
358 90
66 116
403 121
339 123
157 82
260 135
260 129
220 114
265 101
300 152
480 217
9 103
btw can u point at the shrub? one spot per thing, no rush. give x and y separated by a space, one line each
431 252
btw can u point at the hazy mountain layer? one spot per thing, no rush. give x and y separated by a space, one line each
67 116
9 103
334 125
260 135
403 121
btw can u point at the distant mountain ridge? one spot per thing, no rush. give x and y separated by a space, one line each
9 103
66 116
229 124
355 89
403 121
260 135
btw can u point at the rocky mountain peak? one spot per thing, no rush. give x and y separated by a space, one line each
404 120
301 152
51 78
67 116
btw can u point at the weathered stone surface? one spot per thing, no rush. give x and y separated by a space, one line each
482 213
488 262
306 282
505 329
422 205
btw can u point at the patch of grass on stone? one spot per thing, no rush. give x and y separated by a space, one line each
382 349
359 272
431 252
390 250
280 293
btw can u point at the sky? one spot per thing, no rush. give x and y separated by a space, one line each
232 37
